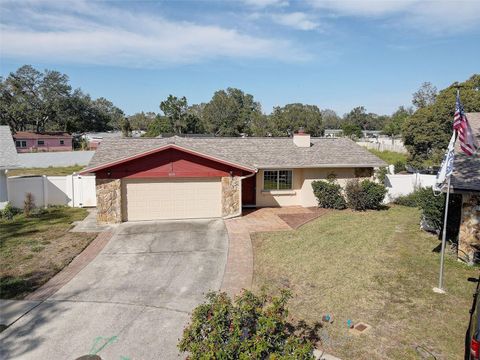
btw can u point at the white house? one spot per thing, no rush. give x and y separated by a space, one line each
8 160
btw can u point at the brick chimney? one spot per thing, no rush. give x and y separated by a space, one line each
301 139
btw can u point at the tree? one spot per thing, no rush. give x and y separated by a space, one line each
424 96
351 130
175 109
230 112
366 121
160 125
393 127
330 119
126 128
288 119
427 132
141 120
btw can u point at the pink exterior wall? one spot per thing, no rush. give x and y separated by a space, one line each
50 144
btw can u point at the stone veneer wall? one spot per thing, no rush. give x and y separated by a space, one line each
231 204
109 200
469 237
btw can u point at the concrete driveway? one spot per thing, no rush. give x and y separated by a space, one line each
132 301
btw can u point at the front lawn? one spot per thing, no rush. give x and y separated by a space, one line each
49 171
34 249
376 267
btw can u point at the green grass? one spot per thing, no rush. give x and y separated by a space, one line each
49 171
390 157
34 249
377 267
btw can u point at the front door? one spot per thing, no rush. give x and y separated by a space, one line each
248 191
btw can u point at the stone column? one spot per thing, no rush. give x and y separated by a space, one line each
469 236
109 200
231 203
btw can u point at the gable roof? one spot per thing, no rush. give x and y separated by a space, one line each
47 135
251 153
466 169
8 152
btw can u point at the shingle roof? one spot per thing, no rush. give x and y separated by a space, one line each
249 152
466 173
8 152
33 135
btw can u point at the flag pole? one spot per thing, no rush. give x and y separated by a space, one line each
440 289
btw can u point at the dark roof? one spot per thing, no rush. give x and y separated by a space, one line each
248 152
8 152
47 135
466 172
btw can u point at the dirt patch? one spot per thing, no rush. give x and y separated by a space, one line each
297 220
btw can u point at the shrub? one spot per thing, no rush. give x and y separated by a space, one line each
9 212
432 206
399 166
409 200
28 204
374 193
381 173
328 195
364 195
251 327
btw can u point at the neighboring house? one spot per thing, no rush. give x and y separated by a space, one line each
181 178
94 139
37 142
333 133
8 160
466 181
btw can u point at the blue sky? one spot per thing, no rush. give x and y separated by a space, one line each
334 54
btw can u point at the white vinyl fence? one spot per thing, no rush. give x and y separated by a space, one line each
398 185
384 146
71 190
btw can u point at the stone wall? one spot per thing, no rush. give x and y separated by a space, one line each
469 237
109 200
231 204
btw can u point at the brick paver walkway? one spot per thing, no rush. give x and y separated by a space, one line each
239 269
72 269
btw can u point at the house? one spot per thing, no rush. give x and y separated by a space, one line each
181 178
37 142
466 181
94 139
8 160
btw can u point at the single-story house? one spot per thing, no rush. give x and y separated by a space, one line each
94 139
26 141
188 177
466 181
8 160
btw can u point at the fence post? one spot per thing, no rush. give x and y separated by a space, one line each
45 191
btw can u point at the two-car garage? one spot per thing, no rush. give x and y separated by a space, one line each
156 199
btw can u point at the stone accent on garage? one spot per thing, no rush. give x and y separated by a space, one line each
469 237
231 204
109 200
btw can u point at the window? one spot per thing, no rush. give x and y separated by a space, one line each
21 143
41 142
277 180
62 142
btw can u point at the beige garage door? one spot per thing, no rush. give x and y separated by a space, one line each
150 199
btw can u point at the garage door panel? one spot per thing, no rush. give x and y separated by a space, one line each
150 199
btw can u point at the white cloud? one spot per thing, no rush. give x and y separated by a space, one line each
95 33
437 16
296 20
265 3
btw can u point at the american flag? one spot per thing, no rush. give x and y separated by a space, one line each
468 143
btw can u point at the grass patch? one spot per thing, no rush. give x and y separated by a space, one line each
34 249
390 157
49 171
376 267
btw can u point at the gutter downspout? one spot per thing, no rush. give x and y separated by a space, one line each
239 212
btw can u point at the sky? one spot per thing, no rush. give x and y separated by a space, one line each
335 54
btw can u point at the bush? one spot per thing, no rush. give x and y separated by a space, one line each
364 195
328 195
409 200
251 327
381 173
399 166
9 212
28 204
